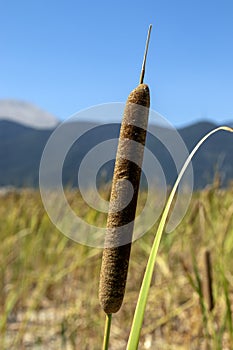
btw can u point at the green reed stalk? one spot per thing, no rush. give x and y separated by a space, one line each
108 322
143 295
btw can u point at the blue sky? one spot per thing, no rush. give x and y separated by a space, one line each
65 56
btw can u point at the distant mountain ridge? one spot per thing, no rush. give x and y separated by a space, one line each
21 148
26 113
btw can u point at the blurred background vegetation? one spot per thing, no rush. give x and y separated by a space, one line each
49 284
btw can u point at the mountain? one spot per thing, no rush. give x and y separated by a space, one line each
21 149
214 157
26 113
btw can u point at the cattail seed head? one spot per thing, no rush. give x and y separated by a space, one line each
120 221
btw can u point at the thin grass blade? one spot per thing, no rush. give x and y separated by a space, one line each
143 295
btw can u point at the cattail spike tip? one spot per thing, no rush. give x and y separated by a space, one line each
145 55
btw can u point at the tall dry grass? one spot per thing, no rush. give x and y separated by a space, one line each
49 284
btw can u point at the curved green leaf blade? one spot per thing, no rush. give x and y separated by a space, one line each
143 295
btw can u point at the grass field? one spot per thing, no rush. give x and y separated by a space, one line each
49 284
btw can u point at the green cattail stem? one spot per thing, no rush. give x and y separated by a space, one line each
107 331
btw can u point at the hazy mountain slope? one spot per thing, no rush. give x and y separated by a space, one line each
21 148
26 113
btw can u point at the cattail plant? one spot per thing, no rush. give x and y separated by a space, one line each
123 202
123 199
207 281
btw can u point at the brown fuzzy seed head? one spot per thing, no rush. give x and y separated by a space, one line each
120 223
140 95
